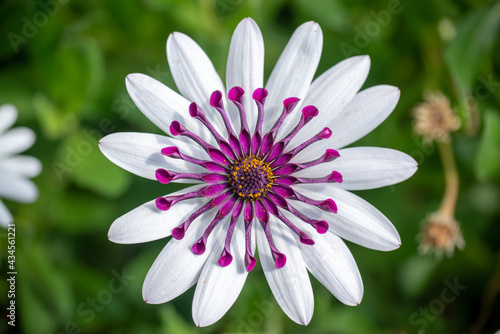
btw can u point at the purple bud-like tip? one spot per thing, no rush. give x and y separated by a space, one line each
163 204
260 95
225 259
250 261
163 175
329 205
310 112
305 239
216 99
194 110
199 247
171 151
335 177
178 232
235 94
321 226
176 128
279 260
326 133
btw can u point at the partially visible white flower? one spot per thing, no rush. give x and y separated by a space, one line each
15 170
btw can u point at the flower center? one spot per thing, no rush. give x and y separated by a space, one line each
250 178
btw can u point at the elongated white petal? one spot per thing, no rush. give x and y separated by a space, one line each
140 153
17 188
147 223
177 268
365 168
162 105
293 74
16 140
195 75
22 164
331 92
356 220
5 215
245 68
331 262
8 116
290 284
364 113
219 287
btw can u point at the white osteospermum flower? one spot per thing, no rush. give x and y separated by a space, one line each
265 173
15 170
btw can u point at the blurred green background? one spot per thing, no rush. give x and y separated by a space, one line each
63 64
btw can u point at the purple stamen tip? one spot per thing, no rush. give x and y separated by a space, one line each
194 110
199 247
260 95
250 261
305 239
329 205
335 177
171 151
163 204
176 128
290 103
326 133
331 154
235 94
279 259
178 232
216 99
321 226
164 176
225 259
310 112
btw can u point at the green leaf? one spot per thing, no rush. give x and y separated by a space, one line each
55 123
487 163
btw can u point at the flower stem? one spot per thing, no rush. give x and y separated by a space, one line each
451 178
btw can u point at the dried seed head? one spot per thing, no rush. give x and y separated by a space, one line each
440 234
434 118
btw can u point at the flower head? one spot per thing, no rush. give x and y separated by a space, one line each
441 233
15 170
434 118
269 172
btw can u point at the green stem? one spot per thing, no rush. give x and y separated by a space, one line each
451 177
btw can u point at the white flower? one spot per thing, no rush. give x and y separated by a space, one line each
15 170
266 173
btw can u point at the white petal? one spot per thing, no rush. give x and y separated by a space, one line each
365 168
147 223
293 74
364 113
162 105
219 287
356 220
331 262
8 116
331 92
140 153
16 141
22 164
5 215
17 188
245 68
290 284
195 75
177 268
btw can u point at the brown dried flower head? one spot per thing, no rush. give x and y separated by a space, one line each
434 118
440 234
